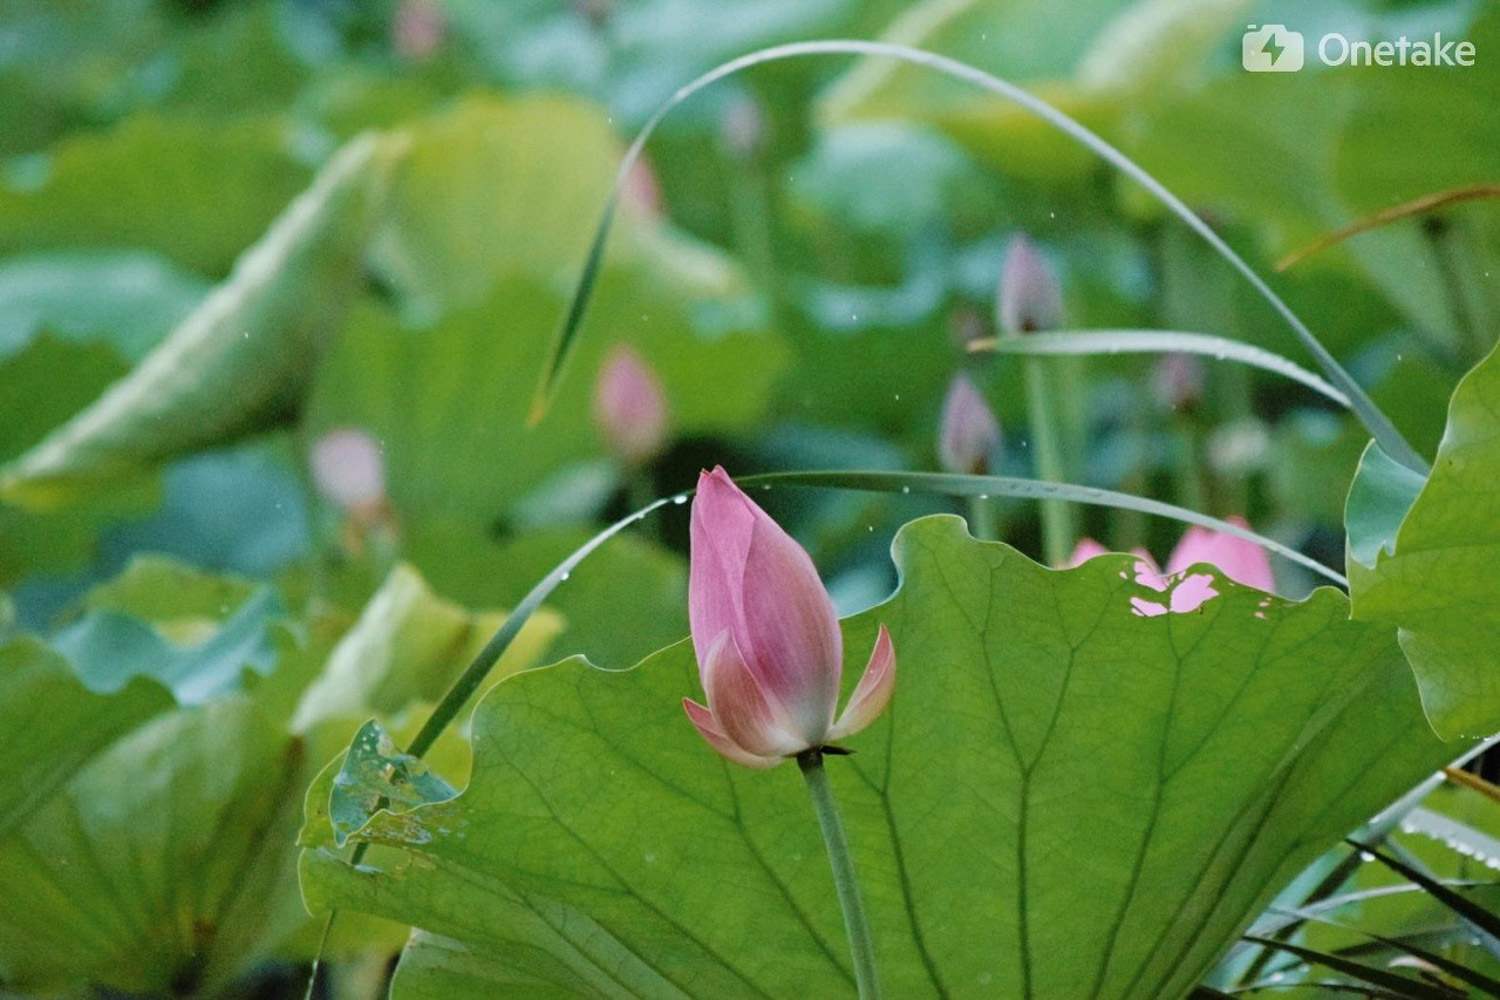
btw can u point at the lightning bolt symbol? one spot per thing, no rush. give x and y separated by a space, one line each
1272 49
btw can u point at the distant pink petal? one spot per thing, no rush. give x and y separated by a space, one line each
1193 592
630 408
740 705
348 468
1085 550
873 693
1241 560
709 729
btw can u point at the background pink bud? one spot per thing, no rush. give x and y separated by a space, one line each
348 469
769 649
1240 560
630 409
970 434
743 128
1177 381
1030 296
418 29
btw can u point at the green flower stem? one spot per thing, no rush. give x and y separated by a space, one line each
984 519
1059 527
844 879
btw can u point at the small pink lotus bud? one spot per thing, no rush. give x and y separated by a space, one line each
1030 297
1177 381
1240 560
629 407
970 434
641 190
770 653
348 469
744 127
418 29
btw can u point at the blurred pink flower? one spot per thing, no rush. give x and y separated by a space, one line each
969 435
770 653
348 469
630 409
418 29
1030 297
1177 381
1240 560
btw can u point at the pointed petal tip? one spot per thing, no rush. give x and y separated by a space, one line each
708 727
873 693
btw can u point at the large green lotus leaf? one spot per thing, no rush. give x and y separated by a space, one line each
56 724
1439 585
496 186
197 192
449 403
243 358
165 866
1065 799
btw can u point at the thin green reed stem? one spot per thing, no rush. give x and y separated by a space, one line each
984 519
845 882
1059 525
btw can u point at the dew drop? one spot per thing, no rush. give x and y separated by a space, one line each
564 577
906 489
679 499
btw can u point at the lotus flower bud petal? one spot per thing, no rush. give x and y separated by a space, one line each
348 469
745 712
1241 560
873 693
708 728
1030 296
1085 550
970 434
630 409
769 649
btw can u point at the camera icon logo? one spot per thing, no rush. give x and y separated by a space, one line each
1272 48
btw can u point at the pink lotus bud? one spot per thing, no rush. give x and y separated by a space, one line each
348 469
1240 560
970 434
1177 381
1085 550
641 190
1030 297
629 407
744 127
770 653
418 29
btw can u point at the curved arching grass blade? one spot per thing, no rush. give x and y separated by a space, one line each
1378 424
984 487
1159 342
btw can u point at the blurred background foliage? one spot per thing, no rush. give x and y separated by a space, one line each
802 259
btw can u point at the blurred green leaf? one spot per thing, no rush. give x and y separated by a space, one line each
242 359
407 647
127 300
1439 585
494 188
1119 796
196 193
449 402
56 724
164 866
108 649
